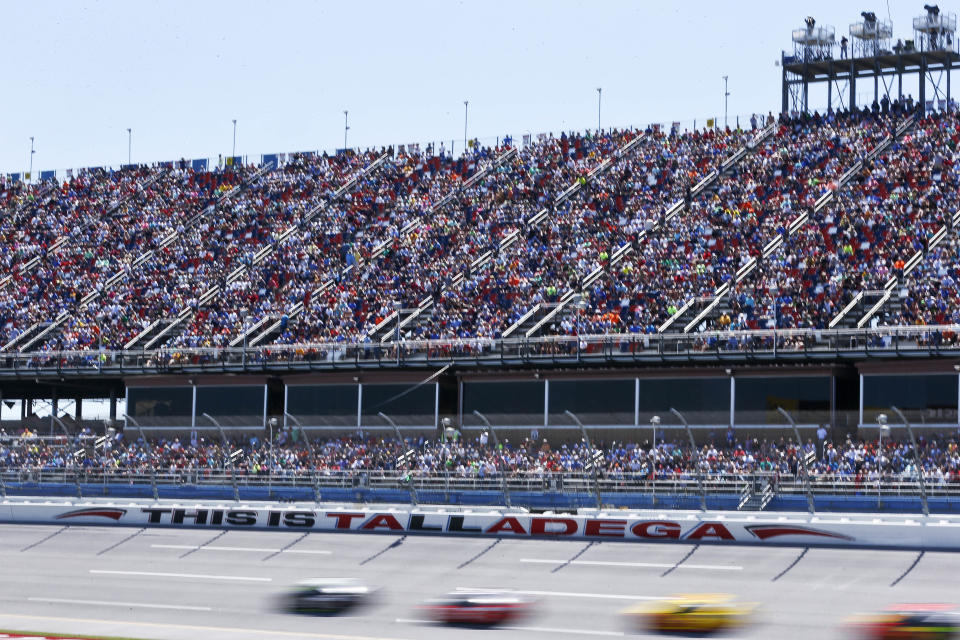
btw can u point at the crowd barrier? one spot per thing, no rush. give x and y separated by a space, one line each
784 529
572 490
887 341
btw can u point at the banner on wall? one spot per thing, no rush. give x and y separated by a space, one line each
693 527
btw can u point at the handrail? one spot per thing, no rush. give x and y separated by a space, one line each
691 483
828 343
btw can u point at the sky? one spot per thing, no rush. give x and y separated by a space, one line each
78 74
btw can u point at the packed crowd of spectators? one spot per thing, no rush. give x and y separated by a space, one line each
293 453
426 234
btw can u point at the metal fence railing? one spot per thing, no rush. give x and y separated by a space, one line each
534 482
913 340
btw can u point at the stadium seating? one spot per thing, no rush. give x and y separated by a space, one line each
294 454
815 221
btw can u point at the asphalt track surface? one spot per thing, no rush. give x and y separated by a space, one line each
166 583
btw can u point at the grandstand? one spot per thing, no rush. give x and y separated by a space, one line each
797 261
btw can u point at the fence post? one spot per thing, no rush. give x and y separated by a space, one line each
803 460
496 444
696 459
403 457
153 483
593 461
916 461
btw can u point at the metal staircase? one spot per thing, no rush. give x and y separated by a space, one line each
756 495
272 331
710 309
55 326
893 291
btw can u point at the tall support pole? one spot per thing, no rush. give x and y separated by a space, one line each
32 151
784 87
593 465
803 461
466 107
599 94
830 80
129 145
949 68
899 80
923 84
346 128
726 96
916 461
696 458
853 86
233 154
496 443
400 440
876 80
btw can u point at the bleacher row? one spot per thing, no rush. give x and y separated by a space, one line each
293 452
819 221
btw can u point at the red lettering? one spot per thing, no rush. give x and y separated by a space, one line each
656 529
710 530
382 521
538 527
344 519
510 525
605 528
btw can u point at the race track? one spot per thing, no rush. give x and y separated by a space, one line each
166 583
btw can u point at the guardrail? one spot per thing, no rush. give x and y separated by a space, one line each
532 482
757 345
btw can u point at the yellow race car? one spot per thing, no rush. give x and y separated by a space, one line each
700 612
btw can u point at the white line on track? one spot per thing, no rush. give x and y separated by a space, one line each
161 574
196 547
127 626
562 594
652 565
113 603
579 632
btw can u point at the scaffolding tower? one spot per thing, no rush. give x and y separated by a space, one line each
931 56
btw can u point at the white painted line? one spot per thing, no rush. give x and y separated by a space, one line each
114 603
562 594
195 547
653 565
579 632
161 574
126 625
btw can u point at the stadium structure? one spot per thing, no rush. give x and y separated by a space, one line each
805 262
644 380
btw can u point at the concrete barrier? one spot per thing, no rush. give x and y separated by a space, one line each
789 529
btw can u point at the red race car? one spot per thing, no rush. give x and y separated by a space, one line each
909 622
477 608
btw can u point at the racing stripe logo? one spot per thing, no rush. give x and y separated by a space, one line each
766 531
112 514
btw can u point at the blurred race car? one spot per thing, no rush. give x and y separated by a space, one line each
327 595
905 622
477 608
692 613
